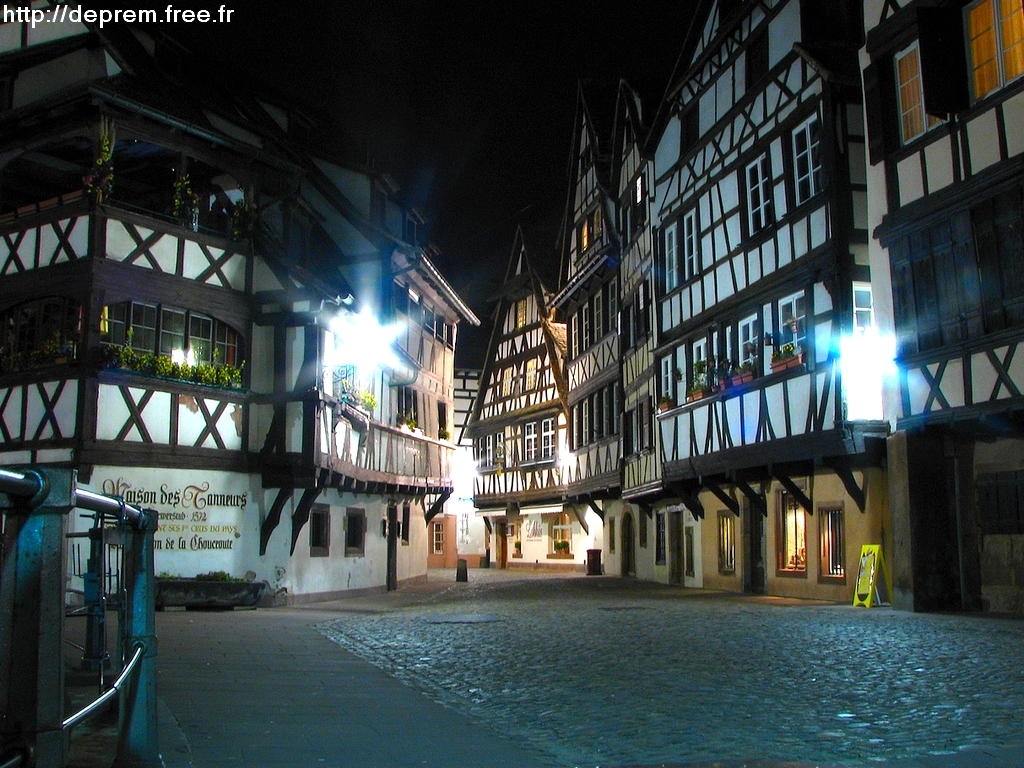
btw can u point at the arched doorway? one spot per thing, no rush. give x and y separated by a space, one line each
628 546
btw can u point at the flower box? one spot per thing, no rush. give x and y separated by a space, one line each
741 378
787 362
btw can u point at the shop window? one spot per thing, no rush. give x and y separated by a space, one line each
791 535
320 531
561 534
438 538
660 538
833 543
355 532
726 542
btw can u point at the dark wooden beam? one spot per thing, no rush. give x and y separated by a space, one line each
274 517
690 496
437 506
597 510
856 491
301 514
757 500
796 492
731 503
581 517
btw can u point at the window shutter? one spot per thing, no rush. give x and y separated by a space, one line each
874 109
943 60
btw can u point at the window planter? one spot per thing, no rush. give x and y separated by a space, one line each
561 556
787 362
741 378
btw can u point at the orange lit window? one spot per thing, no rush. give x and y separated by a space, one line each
996 31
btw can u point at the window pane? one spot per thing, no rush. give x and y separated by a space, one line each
981 23
144 327
200 338
1012 28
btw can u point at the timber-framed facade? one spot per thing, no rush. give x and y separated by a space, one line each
181 289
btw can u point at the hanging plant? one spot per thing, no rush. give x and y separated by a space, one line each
99 180
186 201
243 220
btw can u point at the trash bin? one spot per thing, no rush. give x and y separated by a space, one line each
593 562
461 571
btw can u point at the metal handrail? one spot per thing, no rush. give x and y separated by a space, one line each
91 710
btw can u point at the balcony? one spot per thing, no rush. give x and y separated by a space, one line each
795 415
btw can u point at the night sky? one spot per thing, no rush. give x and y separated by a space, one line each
470 107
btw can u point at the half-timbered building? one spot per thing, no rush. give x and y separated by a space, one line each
519 425
944 95
589 298
763 291
188 306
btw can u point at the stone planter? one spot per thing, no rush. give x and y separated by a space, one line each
189 593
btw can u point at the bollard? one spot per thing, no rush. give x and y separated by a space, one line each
462 571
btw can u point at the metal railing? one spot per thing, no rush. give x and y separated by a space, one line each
36 503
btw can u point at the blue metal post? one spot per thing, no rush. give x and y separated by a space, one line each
32 611
138 745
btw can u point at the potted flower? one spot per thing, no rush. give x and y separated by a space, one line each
742 374
785 357
699 383
185 207
665 403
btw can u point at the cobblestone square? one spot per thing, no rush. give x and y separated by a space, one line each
602 671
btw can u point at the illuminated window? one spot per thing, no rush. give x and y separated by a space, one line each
807 160
530 441
181 334
726 542
910 93
660 538
531 374
506 382
833 543
521 313
547 439
759 195
863 308
561 534
996 31
438 538
791 535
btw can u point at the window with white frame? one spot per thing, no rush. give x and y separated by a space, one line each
691 245
807 160
863 308
561 534
793 320
910 95
530 441
759 195
584 327
995 29
599 319
749 342
506 382
668 377
671 259
499 447
547 438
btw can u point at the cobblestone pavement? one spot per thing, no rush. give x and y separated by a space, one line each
602 671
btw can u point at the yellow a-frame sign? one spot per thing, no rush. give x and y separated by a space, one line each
869 573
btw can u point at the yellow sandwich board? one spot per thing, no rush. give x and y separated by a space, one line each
870 572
